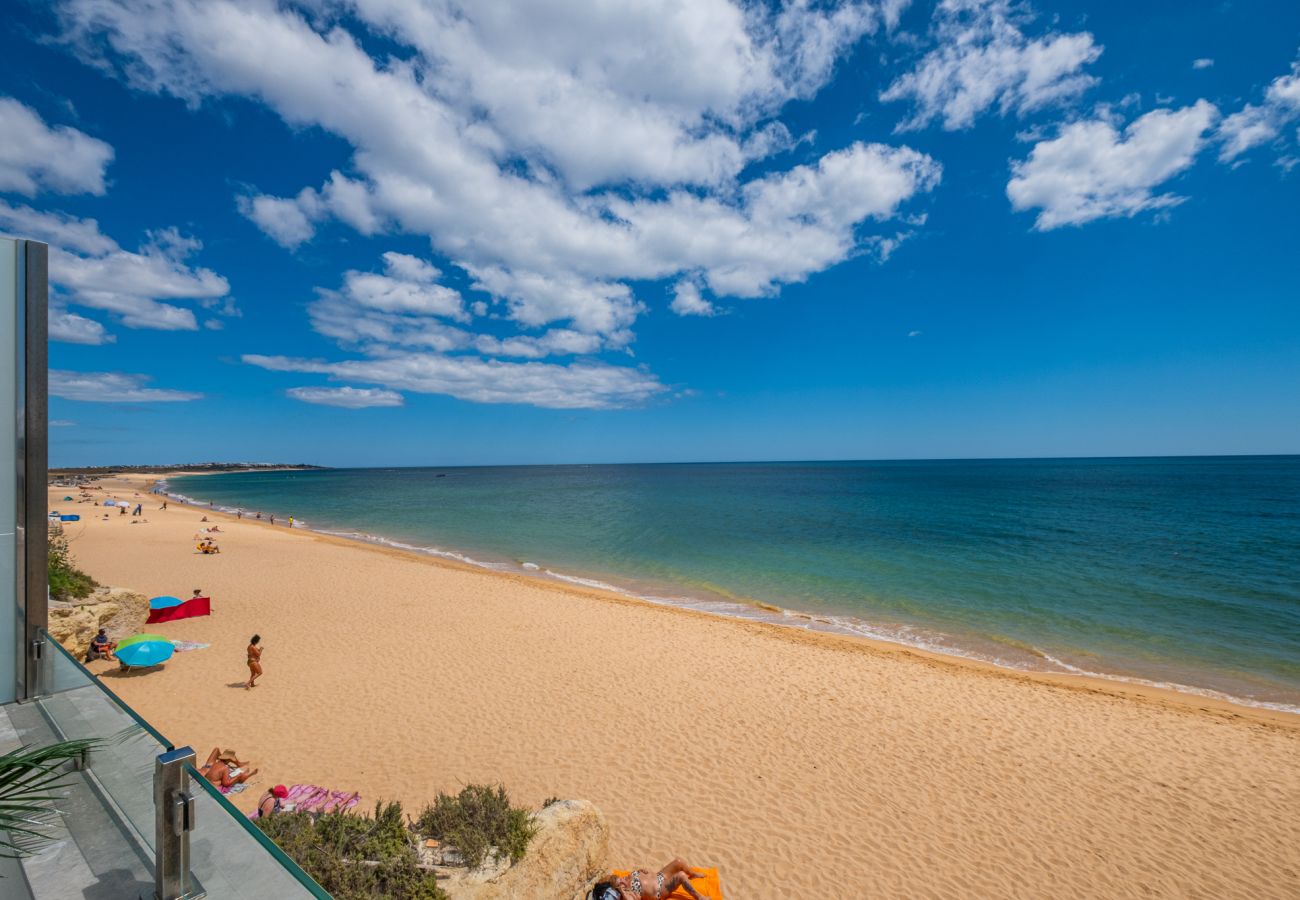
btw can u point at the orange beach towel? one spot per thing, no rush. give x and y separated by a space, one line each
708 886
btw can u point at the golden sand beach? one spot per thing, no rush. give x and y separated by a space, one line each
803 765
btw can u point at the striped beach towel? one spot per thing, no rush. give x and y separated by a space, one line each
313 798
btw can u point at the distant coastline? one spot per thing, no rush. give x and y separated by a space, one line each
205 468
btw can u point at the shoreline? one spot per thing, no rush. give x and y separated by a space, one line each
773 753
770 615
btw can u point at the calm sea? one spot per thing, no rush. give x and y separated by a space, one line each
1181 572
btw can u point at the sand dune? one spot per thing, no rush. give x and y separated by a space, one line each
803 765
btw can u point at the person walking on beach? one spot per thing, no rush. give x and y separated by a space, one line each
254 661
272 518
164 506
291 521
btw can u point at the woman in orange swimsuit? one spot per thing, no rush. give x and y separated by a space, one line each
642 884
254 661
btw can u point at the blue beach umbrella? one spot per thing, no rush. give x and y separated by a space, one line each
165 602
145 650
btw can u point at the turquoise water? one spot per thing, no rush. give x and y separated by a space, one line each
1180 571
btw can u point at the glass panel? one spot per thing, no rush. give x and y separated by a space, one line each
231 858
9 610
76 705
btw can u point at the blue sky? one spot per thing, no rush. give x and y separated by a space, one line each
390 232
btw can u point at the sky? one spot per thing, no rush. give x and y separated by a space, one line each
432 232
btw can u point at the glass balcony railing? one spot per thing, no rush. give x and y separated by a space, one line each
76 705
231 857
113 803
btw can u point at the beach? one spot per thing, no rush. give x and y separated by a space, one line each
801 764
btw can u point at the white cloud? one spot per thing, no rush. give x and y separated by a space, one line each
346 397
95 272
111 387
74 329
688 302
1202 63
601 93
62 423
578 386
913 334
34 156
408 286
557 152
982 59
290 222
1258 124
1091 170
435 159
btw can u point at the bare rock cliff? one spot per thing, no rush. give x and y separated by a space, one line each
75 622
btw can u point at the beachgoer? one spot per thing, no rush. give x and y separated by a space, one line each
291 521
197 594
139 507
254 661
272 518
204 519
272 801
121 510
164 506
643 884
239 514
101 647
258 516
219 771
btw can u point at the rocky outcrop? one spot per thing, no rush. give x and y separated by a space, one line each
568 854
73 623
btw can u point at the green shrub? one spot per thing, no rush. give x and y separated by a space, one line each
355 857
476 820
67 582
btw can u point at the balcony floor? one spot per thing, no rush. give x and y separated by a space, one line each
93 854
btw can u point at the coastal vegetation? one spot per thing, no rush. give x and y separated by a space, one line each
364 856
476 820
67 582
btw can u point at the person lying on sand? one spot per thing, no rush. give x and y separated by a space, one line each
218 771
272 801
642 884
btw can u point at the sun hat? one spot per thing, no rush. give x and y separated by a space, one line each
280 791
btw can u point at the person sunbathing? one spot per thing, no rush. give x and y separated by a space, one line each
218 770
642 884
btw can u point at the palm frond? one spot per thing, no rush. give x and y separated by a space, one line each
29 780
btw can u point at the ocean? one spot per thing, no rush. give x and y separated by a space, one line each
1179 572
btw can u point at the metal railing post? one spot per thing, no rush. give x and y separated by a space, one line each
173 821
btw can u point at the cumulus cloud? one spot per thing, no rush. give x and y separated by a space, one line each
556 152
438 155
577 386
982 59
35 156
1092 170
111 387
74 329
1202 63
688 302
93 271
1259 124
346 397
